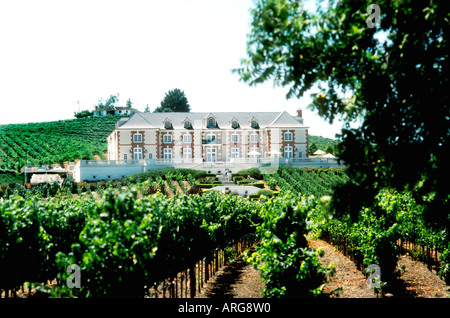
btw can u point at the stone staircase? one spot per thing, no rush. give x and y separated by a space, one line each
224 180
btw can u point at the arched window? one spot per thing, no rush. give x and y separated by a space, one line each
211 123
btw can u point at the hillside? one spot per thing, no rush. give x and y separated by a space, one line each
53 142
322 143
10 177
66 140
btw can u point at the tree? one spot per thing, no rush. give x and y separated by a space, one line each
84 113
329 149
147 109
111 101
174 101
319 142
394 78
129 103
312 148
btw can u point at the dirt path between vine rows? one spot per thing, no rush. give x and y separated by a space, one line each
242 280
415 281
348 281
236 280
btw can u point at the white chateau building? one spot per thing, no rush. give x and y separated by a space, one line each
208 137
209 141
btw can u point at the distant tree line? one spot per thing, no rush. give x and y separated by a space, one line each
174 101
325 144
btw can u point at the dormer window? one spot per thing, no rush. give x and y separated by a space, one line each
167 124
234 124
211 123
254 124
187 123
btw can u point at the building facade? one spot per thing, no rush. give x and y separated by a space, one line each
209 137
114 110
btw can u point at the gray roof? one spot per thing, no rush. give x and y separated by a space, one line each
198 120
114 108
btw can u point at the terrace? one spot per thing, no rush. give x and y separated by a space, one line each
94 170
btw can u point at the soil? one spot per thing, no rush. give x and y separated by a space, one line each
236 280
242 280
348 281
177 186
418 281
168 189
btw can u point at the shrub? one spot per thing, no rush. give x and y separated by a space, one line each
69 183
195 190
207 185
254 173
264 192
257 184
153 174
272 183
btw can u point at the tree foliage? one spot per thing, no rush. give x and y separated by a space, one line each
111 101
83 114
174 101
393 78
322 143
129 103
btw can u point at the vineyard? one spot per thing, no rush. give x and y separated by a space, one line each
393 226
136 236
61 141
54 142
127 243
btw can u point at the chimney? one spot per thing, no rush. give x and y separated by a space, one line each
299 112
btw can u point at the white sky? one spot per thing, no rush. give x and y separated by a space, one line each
54 53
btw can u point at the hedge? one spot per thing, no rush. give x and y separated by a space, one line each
258 185
209 185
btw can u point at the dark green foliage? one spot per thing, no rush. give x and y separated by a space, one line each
371 75
264 192
31 233
289 268
70 184
254 173
153 174
10 177
307 181
83 114
322 143
129 243
174 101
